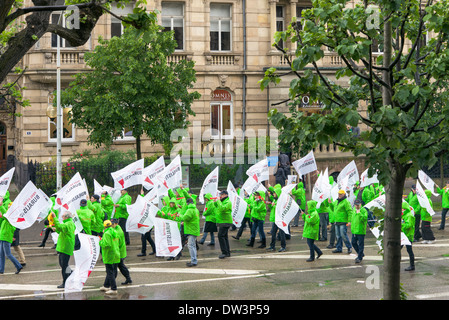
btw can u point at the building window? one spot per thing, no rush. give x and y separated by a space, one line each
116 24
220 27
56 18
68 129
299 10
221 122
280 22
173 20
377 47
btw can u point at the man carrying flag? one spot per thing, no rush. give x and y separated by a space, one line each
121 212
122 247
6 238
111 257
191 220
223 215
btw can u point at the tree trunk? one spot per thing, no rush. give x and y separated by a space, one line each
392 231
138 148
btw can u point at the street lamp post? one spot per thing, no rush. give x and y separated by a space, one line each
58 114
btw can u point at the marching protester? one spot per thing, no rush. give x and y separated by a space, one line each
299 194
311 229
408 227
17 249
191 220
412 200
121 212
95 206
223 215
6 238
247 217
444 192
427 233
342 214
122 248
107 204
49 223
86 217
210 225
258 214
65 244
274 195
358 229
110 253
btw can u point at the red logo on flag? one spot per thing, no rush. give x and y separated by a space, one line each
149 181
20 219
172 248
122 183
141 225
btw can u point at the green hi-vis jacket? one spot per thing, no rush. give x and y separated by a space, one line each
342 210
6 228
87 218
425 215
66 236
311 221
121 241
444 196
259 209
209 209
107 204
97 224
121 211
359 220
223 211
408 221
191 219
110 249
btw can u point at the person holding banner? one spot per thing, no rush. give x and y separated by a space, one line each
66 242
210 225
444 192
247 218
223 215
191 221
86 217
121 212
6 238
427 234
95 206
311 229
258 214
299 194
107 204
49 223
358 229
274 195
122 247
342 214
110 253
408 228
412 200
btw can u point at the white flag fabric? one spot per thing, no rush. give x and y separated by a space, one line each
259 171
98 189
85 259
27 207
210 185
141 216
351 172
152 196
286 209
5 181
171 176
251 185
291 178
422 199
129 176
378 202
427 182
376 233
305 165
322 188
150 173
288 188
366 181
167 238
239 205
44 211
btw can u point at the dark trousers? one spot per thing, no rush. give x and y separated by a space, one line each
223 240
313 248
358 243
324 221
123 269
64 264
332 235
418 234
122 224
242 227
274 230
411 255
111 274
46 234
147 237
257 226
443 218
427 233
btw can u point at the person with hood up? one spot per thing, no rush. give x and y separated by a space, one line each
110 253
311 229
275 192
299 194
66 242
121 212
342 215
86 217
94 205
191 221
223 215
6 238
444 192
210 226
258 214
408 227
107 204
358 229
426 219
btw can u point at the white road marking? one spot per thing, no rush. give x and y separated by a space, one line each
196 270
433 295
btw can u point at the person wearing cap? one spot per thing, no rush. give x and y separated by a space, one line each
223 215
66 242
110 253
444 192
191 221
342 215
210 226
358 229
258 214
95 206
122 247
86 216
121 212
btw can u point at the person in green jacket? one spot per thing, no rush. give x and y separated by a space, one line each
426 218
86 217
358 224
66 242
95 206
110 253
223 216
444 192
121 212
107 204
258 214
210 226
191 221
342 215
247 218
299 194
122 247
311 229
6 238
275 192
412 200
408 227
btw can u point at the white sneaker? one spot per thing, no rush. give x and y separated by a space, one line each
425 242
111 292
104 289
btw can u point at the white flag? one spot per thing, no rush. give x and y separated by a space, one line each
239 205
351 172
259 171
85 259
376 233
129 176
378 202
305 165
27 207
44 211
5 181
98 189
286 209
366 181
427 182
167 238
150 173
322 188
422 199
210 185
291 178
141 216
170 177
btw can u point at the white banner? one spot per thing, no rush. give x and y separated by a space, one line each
27 207
170 177
150 173
376 233
305 165
141 216
422 199
167 238
259 171
5 181
291 179
286 209
44 211
322 188
378 202
427 182
366 181
98 189
210 185
129 176
85 259
351 172
239 205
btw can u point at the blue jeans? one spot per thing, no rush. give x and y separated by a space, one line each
191 243
257 225
358 242
341 231
5 251
212 237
